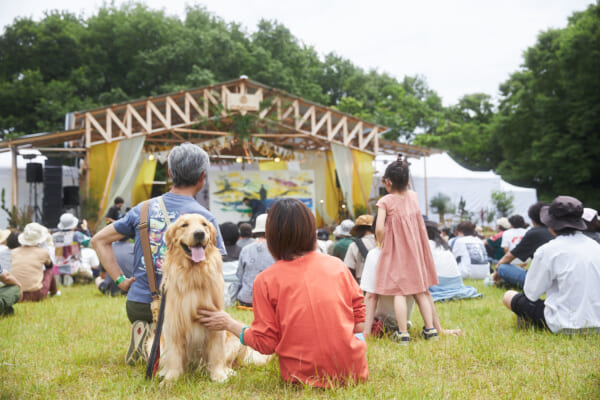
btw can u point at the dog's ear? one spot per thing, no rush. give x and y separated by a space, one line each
213 234
169 235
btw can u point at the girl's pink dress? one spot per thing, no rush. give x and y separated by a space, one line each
406 264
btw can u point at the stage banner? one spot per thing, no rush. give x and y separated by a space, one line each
228 189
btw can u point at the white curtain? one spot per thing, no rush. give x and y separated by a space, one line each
342 156
128 163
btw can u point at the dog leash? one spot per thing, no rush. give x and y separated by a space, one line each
154 356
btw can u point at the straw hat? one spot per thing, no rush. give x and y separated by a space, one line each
67 221
363 220
34 234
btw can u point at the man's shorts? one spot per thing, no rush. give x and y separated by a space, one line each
532 311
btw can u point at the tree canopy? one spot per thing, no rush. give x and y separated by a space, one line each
543 132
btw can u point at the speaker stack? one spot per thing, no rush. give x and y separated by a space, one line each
34 173
52 205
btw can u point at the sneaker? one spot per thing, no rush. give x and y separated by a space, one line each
139 332
429 334
402 338
146 346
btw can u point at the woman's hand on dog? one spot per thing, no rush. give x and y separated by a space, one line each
218 321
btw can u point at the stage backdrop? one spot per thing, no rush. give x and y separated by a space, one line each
228 189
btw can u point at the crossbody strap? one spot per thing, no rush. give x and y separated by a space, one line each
163 209
145 242
361 247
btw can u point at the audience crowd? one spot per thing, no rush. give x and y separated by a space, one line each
381 264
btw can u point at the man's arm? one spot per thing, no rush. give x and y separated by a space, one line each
9 279
506 259
102 243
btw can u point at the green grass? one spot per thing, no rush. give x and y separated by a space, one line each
72 347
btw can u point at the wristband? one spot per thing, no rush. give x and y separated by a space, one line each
120 279
242 335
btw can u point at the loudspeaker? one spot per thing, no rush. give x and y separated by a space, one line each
52 205
34 173
71 196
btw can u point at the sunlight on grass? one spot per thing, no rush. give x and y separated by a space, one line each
73 346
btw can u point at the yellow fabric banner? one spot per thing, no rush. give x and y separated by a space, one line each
362 180
101 170
142 188
272 166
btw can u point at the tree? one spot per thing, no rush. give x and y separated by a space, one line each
548 119
442 205
503 202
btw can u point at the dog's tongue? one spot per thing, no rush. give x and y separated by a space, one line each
198 254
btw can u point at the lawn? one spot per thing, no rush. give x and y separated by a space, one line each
72 346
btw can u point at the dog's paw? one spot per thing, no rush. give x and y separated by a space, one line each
221 374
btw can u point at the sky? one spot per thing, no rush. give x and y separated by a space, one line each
459 47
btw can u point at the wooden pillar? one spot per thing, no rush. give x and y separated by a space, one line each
14 185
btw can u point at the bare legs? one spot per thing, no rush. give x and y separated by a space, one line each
370 307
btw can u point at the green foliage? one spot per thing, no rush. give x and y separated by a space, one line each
359 210
442 205
503 202
17 218
87 358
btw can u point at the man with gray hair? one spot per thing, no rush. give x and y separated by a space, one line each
188 164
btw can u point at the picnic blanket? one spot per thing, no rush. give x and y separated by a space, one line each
452 288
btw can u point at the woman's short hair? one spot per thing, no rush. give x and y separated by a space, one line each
187 163
291 229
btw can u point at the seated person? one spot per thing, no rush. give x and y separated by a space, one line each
10 293
343 239
254 259
590 216
4 250
363 242
230 234
31 264
567 270
534 238
123 250
68 243
494 242
470 252
451 286
245 235
307 306
511 237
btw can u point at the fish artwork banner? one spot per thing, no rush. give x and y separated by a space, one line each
228 189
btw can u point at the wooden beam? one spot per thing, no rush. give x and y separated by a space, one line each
200 131
14 185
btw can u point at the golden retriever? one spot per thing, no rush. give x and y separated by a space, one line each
192 279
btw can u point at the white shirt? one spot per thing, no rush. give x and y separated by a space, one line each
473 263
89 259
567 269
445 263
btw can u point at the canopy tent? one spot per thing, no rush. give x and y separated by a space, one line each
439 173
236 120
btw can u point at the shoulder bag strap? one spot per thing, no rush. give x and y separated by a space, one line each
361 247
163 209
145 242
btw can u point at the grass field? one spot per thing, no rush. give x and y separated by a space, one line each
72 347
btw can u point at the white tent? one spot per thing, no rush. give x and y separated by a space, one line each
26 190
439 173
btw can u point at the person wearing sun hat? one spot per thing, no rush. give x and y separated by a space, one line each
590 216
31 264
343 239
363 242
567 270
68 242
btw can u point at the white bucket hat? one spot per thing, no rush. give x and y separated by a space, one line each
344 228
67 221
34 234
261 223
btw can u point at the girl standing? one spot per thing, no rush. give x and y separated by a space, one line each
406 265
